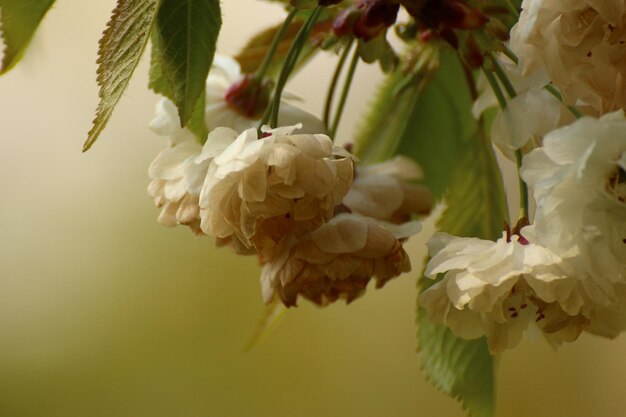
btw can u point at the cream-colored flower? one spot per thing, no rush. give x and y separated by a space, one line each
578 179
526 120
260 189
337 260
487 99
178 173
580 44
387 191
219 112
528 117
499 289
174 174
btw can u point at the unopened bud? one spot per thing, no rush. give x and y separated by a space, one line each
343 25
453 14
367 19
249 96
377 16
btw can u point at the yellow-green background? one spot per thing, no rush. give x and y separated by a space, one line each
105 313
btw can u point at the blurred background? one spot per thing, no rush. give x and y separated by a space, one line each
104 313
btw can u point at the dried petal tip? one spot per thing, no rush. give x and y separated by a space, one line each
336 261
388 192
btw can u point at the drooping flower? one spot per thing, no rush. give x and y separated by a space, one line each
178 173
337 260
500 289
233 100
387 191
578 180
580 44
260 189
174 187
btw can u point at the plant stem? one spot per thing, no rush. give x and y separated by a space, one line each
267 59
552 90
523 188
510 54
512 9
495 87
504 79
344 92
333 83
289 64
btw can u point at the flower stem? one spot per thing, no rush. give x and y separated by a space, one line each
271 113
523 188
344 92
512 8
510 54
553 90
267 59
333 84
504 79
495 87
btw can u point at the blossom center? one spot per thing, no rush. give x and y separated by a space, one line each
616 184
249 97
517 231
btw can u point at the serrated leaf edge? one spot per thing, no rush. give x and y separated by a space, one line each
104 112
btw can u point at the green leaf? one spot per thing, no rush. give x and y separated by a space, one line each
432 123
160 85
121 47
19 20
464 369
186 32
476 207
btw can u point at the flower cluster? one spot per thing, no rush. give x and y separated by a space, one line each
499 288
565 273
321 227
324 226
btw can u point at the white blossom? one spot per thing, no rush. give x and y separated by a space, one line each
178 174
500 289
578 179
580 44
387 191
337 260
259 189
528 116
